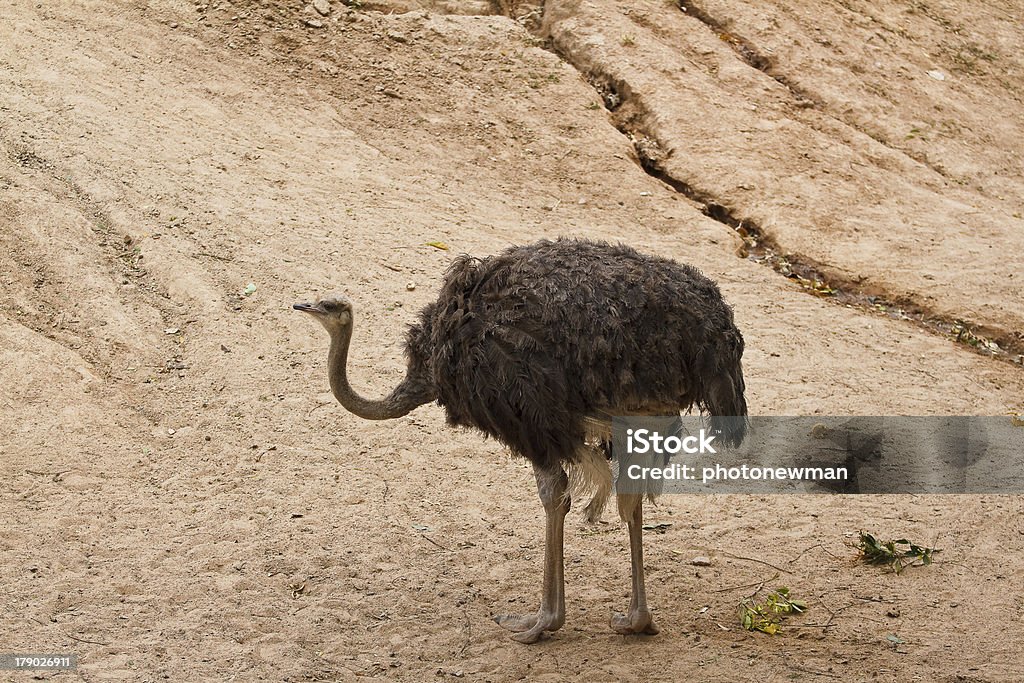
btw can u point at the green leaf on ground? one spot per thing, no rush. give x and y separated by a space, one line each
897 554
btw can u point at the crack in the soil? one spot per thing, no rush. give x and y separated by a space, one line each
814 278
746 50
756 59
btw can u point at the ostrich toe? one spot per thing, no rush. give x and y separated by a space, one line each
634 622
528 628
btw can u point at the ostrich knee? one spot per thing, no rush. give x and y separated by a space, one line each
553 490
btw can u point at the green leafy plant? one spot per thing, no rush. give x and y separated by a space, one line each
766 616
898 554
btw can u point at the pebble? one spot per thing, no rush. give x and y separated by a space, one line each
322 6
701 561
313 23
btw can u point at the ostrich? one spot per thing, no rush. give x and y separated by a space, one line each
538 347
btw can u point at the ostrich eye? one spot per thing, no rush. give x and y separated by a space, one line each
334 307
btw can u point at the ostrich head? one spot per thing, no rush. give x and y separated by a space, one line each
335 313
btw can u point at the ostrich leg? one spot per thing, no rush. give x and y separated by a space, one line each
552 485
638 619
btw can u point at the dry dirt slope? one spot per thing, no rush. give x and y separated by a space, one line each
882 144
184 500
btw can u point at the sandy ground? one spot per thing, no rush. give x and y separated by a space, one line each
183 499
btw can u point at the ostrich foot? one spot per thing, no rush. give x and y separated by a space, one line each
528 628
634 622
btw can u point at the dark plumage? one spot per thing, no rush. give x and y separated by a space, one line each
523 345
537 344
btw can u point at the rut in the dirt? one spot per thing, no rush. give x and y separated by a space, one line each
120 262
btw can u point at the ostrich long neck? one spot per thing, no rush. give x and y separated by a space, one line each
398 403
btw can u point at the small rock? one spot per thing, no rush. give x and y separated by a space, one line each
410 287
701 561
313 23
322 6
397 37
937 75
893 613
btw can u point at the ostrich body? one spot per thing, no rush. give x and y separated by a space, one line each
539 346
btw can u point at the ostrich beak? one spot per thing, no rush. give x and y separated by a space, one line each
306 308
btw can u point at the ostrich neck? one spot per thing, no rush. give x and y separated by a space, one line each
398 403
